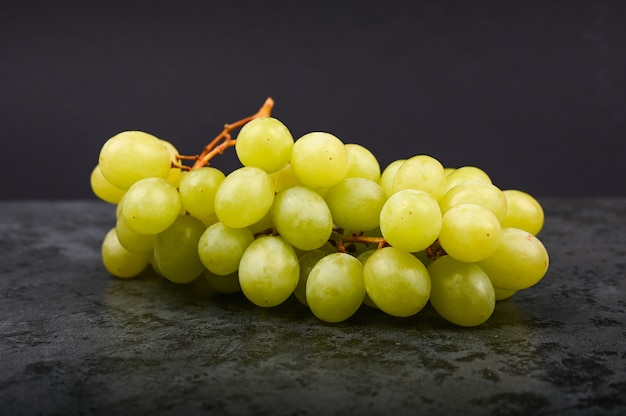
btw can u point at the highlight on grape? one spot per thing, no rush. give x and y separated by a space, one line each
317 219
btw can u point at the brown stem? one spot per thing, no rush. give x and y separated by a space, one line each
341 240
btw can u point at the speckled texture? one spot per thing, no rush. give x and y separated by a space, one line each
76 341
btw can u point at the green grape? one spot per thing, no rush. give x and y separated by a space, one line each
464 174
264 143
461 292
176 174
244 197
469 232
220 247
227 284
421 173
176 250
363 256
302 218
268 271
151 205
319 160
131 240
448 170
263 226
335 288
104 189
355 204
389 174
524 212
285 178
476 192
197 190
410 220
396 282
120 262
362 163
133 155
520 261
307 261
502 294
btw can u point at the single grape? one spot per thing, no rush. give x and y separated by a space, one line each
104 189
464 174
476 192
227 284
264 143
197 190
355 204
221 247
335 288
151 205
502 294
176 173
131 240
389 174
362 163
319 160
524 212
307 261
285 178
422 173
120 262
461 292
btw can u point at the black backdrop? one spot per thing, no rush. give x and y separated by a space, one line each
532 92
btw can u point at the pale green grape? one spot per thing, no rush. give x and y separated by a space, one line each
389 174
448 170
285 178
131 240
363 256
319 160
307 261
524 212
120 262
269 271
263 226
362 163
464 174
151 205
476 192
197 190
469 232
355 204
133 155
396 282
227 284
244 197
461 292
410 220
176 173
104 189
520 261
221 247
502 294
302 218
264 143
176 250
335 288
422 173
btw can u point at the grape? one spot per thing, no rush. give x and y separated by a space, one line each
133 155
268 271
176 173
396 282
176 250
151 205
227 284
285 178
469 232
244 197
389 174
104 189
476 192
319 160
335 288
120 262
461 292
464 174
520 261
302 218
410 220
524 212
307 261
131 240
264 143
363 256
502 294
197 192
355 203
422 173
220 247
362 163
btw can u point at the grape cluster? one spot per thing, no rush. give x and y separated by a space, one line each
317 219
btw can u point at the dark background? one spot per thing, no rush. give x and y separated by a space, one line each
532 92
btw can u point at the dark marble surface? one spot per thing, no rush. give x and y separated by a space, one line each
74 340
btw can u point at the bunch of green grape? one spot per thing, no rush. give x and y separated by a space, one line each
316 219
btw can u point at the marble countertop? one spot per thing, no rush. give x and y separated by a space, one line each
74 340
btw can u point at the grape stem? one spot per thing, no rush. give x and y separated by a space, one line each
341 240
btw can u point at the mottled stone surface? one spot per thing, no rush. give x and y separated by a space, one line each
74 340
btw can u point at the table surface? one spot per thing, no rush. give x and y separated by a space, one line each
75 340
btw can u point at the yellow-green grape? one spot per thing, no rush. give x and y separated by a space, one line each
389 174
476 192
176 250
302 218
410 220
422 173
464 174
307 261
197 191
104 189
176 173
120 262
133 155
461 292
221 247
363 256
502 294
264 143
227 284
355 204
131 240
520 261
285 178
469 232
151 205
362 163
524 212
335 288
319 160
396 282
448 170
268 271
244 197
